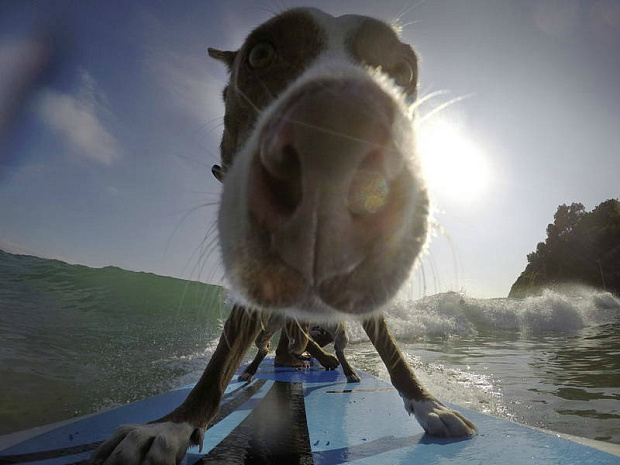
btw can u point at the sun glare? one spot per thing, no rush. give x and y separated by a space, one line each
454 167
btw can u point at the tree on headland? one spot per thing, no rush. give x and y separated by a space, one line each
581 247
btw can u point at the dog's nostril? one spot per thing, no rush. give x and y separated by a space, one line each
283 179
285 166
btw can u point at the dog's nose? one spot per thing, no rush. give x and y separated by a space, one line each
323 181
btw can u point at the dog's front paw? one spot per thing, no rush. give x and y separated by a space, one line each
156 443
439 420
245 377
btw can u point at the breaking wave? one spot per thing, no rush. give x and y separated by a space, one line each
453 314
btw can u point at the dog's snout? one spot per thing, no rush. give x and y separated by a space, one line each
323 175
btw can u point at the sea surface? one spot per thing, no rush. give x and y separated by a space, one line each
75 340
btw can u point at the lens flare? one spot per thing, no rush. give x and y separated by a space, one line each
368 193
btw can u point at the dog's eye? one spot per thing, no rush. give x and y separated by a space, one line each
261 55
402 73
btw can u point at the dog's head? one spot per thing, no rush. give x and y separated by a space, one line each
324 210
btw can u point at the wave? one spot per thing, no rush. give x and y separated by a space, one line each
80 338
109 290
453 314
129 296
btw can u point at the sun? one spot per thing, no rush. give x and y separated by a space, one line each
455 168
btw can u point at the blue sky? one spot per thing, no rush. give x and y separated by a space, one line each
110 119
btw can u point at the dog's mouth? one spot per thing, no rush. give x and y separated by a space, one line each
275 285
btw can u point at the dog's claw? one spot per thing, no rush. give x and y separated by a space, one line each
439 420
303 367
162 443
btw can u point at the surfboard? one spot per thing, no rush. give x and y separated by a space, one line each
286 416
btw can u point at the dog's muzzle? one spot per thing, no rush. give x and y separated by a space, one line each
326 180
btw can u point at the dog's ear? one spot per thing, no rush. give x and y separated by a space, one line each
228 58
218 172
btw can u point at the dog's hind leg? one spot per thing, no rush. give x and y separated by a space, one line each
433 416
341 341
262 344
293 341
328 361
165 441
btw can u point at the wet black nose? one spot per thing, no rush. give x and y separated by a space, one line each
322 180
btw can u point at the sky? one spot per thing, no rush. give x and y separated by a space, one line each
111 116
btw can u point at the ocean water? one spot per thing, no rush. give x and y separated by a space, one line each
75 340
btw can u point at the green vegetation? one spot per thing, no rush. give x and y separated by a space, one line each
581 247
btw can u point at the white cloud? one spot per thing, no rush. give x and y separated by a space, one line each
184 73
80 120
112 190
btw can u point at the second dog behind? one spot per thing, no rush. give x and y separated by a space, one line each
297 338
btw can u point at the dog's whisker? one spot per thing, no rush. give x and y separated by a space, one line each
211 231
427 97
218 120
456 265
180 222
193 160
405 10
327 131
211 203
238 90
442 107
274 9
404 26
266 89
210 249
185 216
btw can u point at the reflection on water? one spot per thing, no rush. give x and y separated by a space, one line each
567 382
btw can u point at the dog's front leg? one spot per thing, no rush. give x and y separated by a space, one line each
433 416
165 441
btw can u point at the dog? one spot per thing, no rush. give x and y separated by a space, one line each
290 349
295 339
324 210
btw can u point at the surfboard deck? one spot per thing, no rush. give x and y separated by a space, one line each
285 416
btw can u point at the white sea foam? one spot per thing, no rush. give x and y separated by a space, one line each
453 314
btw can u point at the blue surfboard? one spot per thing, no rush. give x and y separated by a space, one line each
285 416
